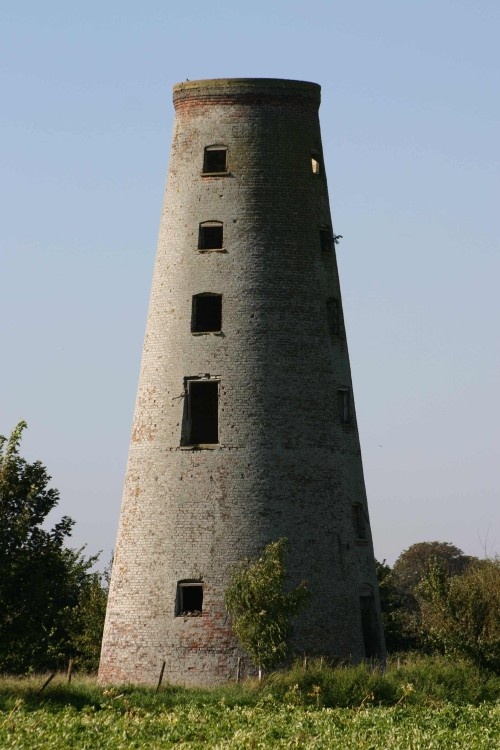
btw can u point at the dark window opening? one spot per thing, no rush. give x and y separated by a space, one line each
344 405
189 601
369 626
215 160
315 162
333 314
210 237
326 240
203 411
359 520
207 313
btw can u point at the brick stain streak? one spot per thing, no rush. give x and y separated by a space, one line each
284 463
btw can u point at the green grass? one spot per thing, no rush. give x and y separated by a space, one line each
422 705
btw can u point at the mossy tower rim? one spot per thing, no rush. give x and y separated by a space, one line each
245 428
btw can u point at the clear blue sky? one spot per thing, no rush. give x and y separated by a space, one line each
410 120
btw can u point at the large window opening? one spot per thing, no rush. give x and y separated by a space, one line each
210 236
369 625
203 411
344 405
215 160
207 313
189 601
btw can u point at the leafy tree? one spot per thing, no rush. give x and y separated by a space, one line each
461 614
42 582
412 564
87 621
261 609
400 606
393 603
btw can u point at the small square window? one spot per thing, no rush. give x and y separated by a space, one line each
344 405
210 235
189 600
215 160
207 313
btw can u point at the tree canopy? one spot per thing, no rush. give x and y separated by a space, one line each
413 563
460 615
436 598
43 583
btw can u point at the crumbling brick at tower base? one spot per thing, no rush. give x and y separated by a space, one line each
245 426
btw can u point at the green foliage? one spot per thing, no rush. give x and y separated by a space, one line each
119 725
439 679
86 622
435 680
43 584
461 615
413 563
261 609
416 679
395 611
295 712
399 602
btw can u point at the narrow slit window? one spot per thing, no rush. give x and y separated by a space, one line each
359 521
315 162
344 405
326 240
369 626
333 314
215 160
211 235
203 411
207 313
189 601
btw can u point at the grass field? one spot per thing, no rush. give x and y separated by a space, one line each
421 706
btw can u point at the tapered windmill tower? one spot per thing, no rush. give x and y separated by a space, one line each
245 428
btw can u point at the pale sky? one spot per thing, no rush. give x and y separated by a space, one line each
410 121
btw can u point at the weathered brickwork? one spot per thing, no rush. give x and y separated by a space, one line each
284 464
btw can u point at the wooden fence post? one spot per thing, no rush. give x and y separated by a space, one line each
46 682
238 668
161 676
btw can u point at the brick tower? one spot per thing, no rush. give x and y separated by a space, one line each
245 428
